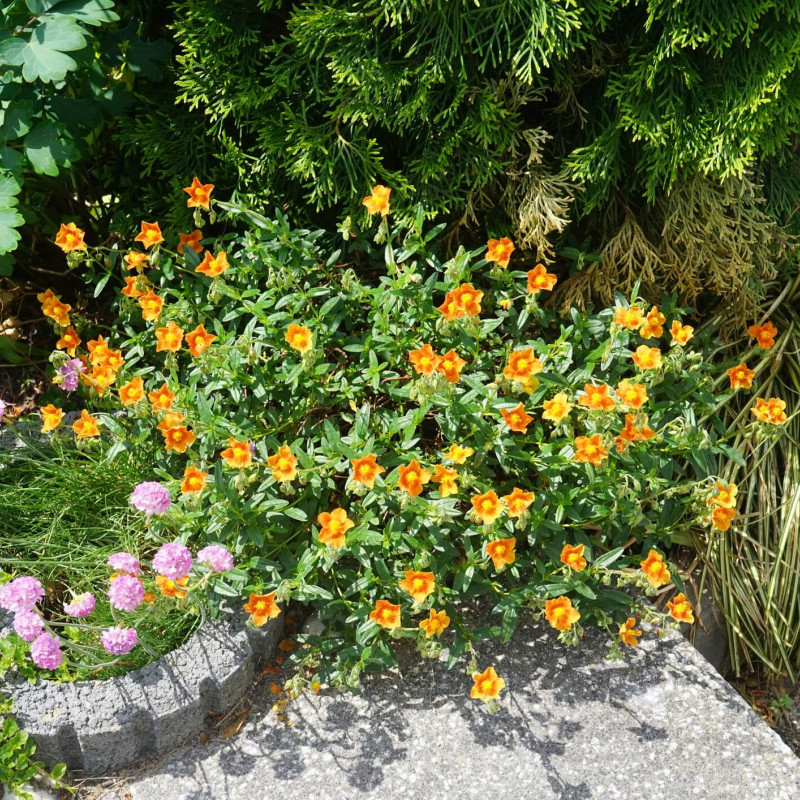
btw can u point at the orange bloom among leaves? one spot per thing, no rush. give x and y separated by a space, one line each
130 289
627 633
646 357
132 392
70 238
86 427
199 340
634 431
517 419
170 588
518 501
262 608
772 410
135 260
488 685
283 464
69 341
446 478
418 584
298 337
764 334
162 398
721 518
100 377
424 360
191 240
597 398
633 395
150 235
681 334
213 266
465 301
652 326
487 507
573 557
629 317
151 305
199 194
51 417
560 614
377 201
435 624
194 480
741 377
53 307
333 527
169 338
450 365
500 251
539 279
590 450
412 477
521 365
178 439
366 469
502 552
172 419
386 614
680 608
655 569
557 409
458 454
237 454
725 496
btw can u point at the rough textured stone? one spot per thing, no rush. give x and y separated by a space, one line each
573 726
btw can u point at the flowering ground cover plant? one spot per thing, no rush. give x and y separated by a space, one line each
391 437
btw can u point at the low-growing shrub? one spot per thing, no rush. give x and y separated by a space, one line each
391 438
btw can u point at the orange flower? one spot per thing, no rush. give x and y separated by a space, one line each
764 334
629 317
517 419
334 526
488 685
418 584
237 455
726 495
162 398
199 194
366 469
170 588
172 419
194 480
502 552
262 607
86 427
190 240
177 439
465 301
487 507
627 634
655 570
151 305
633 432
540 279
458 454
386 614
424 360
633 395
378 200
560 613
132 392
100 377
681 333
741 377
680 608
70 237
53 307
150 235
199 340
652 325
299 337
97 350
597 398
557 409
412 477
647 357
169 338
69 341
283 464
521 365
518 501
135 260
500 251
590 450
721 518
446 478
771 411
130 289
450 365
573 557
435 624
51 417
213 266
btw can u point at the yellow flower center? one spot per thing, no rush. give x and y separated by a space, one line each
487 506
448 365
412 477
425 361
417 584
283 463
386 614
261 606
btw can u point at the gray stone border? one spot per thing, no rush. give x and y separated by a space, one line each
95 726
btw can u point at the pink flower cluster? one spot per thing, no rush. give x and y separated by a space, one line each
151 497
126 593
216 557
173 561
21 596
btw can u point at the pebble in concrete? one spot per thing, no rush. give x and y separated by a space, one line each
573 726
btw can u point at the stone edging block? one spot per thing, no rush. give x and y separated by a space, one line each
95 726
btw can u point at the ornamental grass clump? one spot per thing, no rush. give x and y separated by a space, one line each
392 438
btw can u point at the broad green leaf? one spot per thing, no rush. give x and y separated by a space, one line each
42 57
47 149
9 189
9 236
92 12
16 120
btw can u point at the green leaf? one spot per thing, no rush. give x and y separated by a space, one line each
47 149
17 120
91 12
9 236
607 559
9 189
42 57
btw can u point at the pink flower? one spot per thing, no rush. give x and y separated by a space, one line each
217 557
81 606
28 625
151 497
46 651
126 593
119 641
3 407
21 594
173 561
124 562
